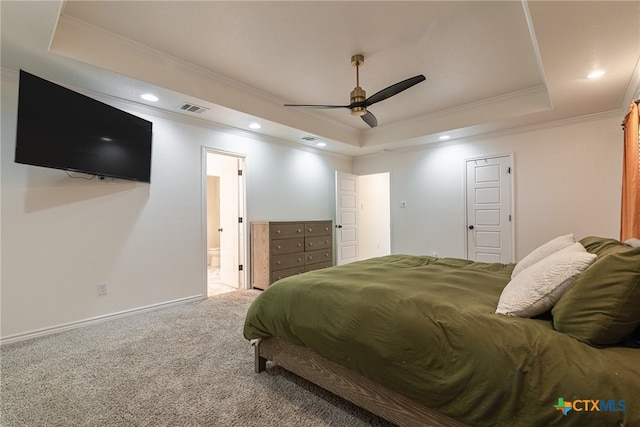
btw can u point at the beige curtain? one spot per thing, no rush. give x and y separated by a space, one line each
630 216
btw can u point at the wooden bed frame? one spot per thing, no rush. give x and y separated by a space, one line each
347 384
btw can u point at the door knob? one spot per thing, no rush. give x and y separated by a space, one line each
471 227
338 226
220 230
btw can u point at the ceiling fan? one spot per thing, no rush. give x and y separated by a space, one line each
359 100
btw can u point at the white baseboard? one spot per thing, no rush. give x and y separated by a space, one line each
73 325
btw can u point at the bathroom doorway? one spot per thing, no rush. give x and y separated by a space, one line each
225 228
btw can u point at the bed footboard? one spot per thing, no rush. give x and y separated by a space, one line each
347 384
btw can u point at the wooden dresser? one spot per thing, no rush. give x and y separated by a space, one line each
284 248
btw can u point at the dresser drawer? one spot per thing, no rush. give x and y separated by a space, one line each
287 246
318 242
314 257
319 228
280 262
286 230
281 274
318 266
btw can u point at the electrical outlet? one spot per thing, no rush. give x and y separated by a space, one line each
403 204
102 289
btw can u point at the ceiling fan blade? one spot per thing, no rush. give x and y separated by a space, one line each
316 106
370 119
393 90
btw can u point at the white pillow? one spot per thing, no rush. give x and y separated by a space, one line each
542 252
634 242
537 288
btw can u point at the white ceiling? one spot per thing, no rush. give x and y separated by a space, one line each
488 65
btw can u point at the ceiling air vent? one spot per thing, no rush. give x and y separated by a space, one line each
192 108
310 138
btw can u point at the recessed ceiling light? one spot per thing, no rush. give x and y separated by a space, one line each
444 137
255 125
595 74
149 97
321 144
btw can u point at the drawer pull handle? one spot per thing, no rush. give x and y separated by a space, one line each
299 259
299 230
278 262
278 247
278 231
310 230
310 243
310 257
299 245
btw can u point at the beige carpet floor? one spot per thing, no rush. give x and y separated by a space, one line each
186 365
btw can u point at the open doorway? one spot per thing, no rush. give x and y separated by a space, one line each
374 228
363 216
224 225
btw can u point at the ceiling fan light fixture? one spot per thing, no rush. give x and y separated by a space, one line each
358 95
360 102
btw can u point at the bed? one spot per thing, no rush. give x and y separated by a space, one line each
426 341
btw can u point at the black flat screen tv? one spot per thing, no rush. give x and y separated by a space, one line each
62 129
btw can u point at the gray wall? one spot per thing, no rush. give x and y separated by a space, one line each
63 236
567 180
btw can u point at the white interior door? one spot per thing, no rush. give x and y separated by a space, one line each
346 218
229 223
489 217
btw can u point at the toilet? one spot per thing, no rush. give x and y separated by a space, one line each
214 257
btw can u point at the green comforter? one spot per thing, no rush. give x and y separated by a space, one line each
425 327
